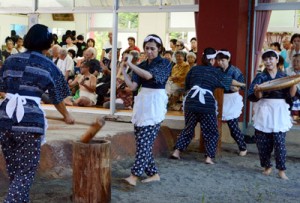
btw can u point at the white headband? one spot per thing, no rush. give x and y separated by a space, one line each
271 50
226 53
149 37
211 56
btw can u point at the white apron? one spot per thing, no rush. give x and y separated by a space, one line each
272 115
232 106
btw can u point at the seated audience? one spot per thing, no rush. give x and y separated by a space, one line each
191 59
87 86
19 46
70 45
175 83
65 64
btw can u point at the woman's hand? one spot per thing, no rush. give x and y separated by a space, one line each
258 94
234 88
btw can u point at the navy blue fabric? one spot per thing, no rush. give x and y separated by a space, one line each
160 69
206 77
30 74
265 143
234 73
264 77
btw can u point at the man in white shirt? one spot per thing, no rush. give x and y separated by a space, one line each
65 63
108 46
55 53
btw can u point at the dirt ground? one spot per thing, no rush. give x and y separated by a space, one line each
231 179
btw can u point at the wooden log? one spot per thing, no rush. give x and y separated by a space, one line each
219 95
92 172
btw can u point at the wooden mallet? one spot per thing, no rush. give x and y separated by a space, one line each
91 131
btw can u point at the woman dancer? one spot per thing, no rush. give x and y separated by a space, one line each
233 101
24 78
271 118
200 104
149 105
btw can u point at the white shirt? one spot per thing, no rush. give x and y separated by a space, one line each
108 45
15 51
74 47
66 65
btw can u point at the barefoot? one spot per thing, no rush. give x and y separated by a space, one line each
243 153
208 160
131 180
175 154
267 171
282 175
151 179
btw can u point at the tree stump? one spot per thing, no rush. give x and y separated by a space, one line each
219 95
92 172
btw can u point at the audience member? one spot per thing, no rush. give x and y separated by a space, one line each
19 46
8 49
132 46
108 46
175 84
87 86
90 55
191 59
193 42
70 45
295 70
81 45
65 64
286 44
55 53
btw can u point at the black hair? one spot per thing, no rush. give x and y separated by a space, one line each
204 60
13 33
193 38
269 54
9 39
92 40
296 35
73 33
38 38
221 55
72 51
70 36
173 41
68 32
80 37
159 45
276 44
131 38
168 52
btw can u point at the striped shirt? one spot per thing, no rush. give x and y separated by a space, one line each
276 94
235 74
160 69
209 78
30 74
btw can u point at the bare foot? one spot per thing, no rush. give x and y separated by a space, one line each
175 154
267 171
282 175
151 179
131 180
208 160
243 153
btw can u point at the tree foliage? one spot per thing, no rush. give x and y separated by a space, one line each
128 20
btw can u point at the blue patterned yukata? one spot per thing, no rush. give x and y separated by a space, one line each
232 107
150 107
24 78
200 106
271 120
